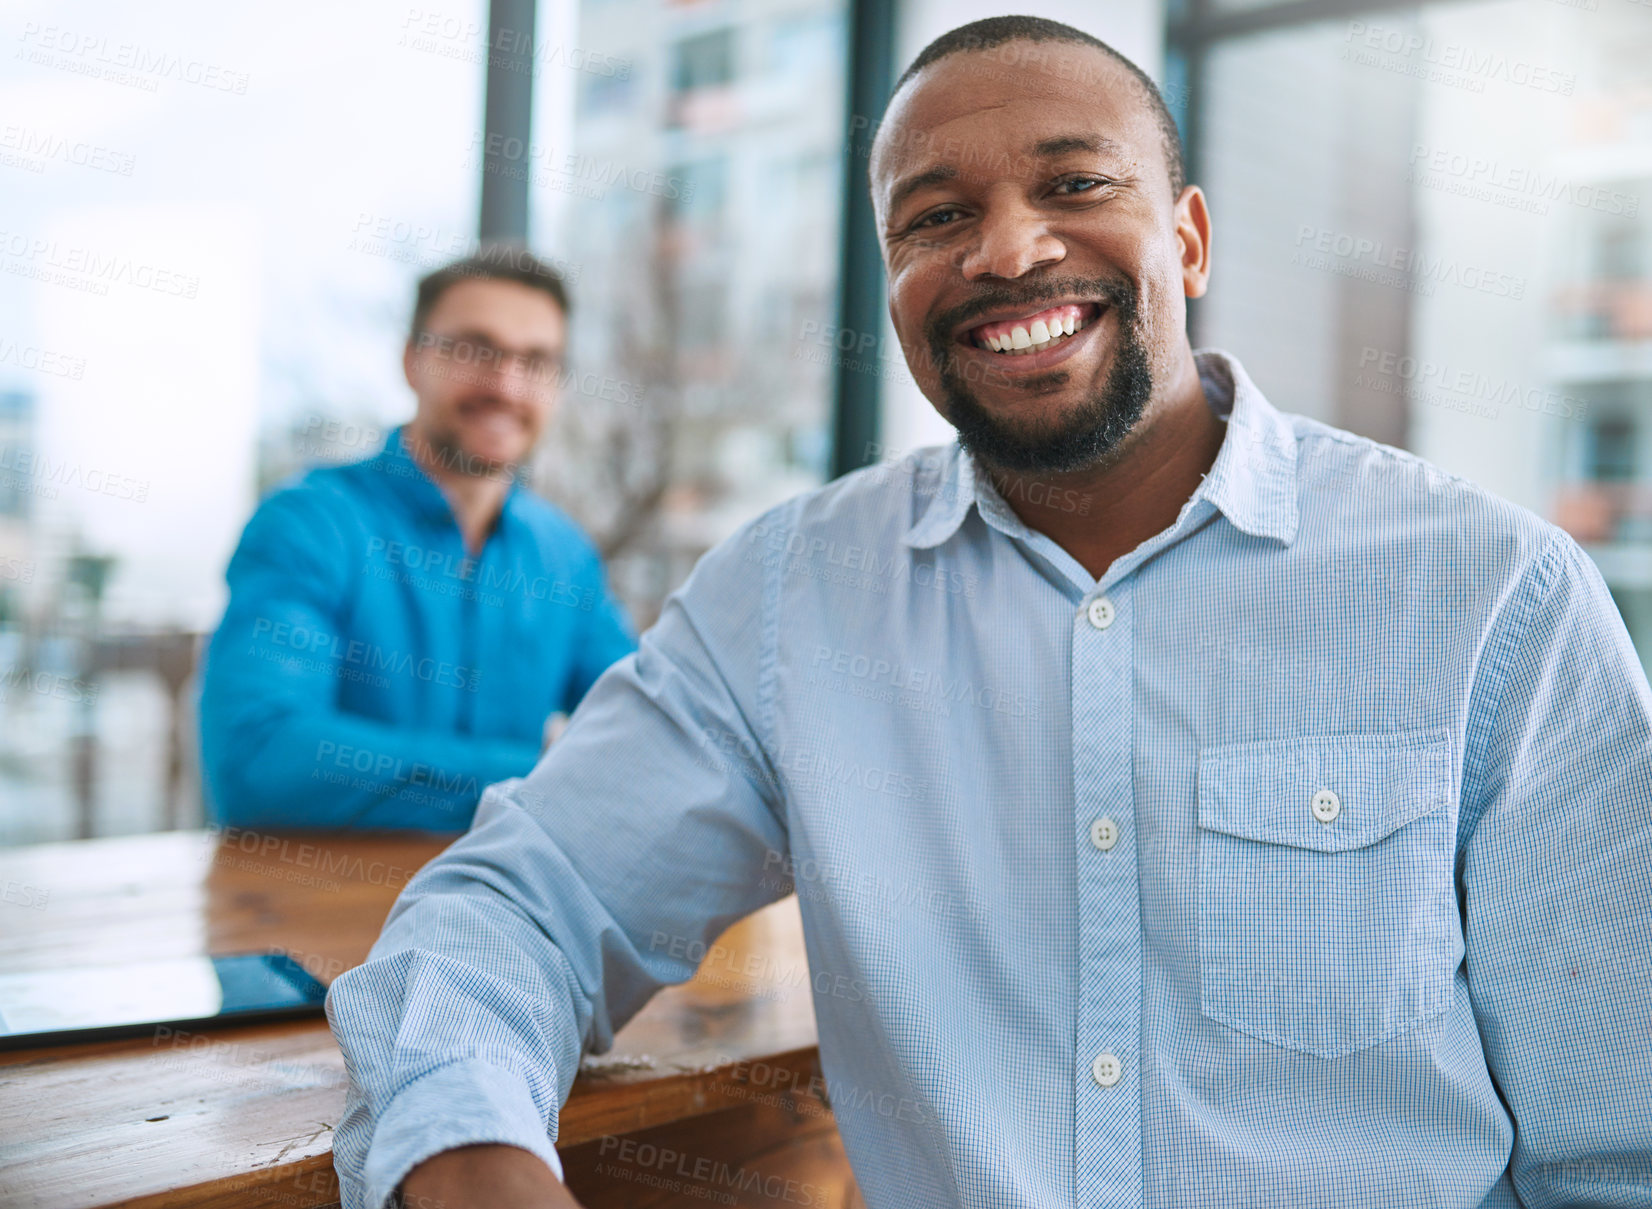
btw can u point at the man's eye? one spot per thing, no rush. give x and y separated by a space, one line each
930 219
1082 184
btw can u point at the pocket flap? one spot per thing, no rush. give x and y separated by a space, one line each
1265 791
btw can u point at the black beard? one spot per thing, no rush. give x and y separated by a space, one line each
1079 440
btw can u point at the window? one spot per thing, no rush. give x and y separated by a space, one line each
1432 227
207 266
708 260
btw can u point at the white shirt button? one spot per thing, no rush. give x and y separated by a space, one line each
1106 1070
1104 833
1101 612
1326 805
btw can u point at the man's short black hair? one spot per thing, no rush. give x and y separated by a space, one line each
490 262
995 31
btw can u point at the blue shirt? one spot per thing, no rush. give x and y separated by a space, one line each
1304 858
368 672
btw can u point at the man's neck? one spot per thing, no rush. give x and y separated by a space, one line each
1100 513
476 500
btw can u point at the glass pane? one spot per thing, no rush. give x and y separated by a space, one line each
706 238
1432 227
213 220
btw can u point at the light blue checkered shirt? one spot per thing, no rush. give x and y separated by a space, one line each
1305 858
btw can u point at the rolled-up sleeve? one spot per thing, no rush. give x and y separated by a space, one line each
1557 876
580 891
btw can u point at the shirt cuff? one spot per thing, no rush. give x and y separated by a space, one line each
467 1103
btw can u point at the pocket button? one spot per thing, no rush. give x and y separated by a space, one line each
1326 806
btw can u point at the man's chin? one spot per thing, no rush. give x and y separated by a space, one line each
488 463
480 459
1032 435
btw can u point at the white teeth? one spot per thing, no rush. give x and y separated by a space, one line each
1034 337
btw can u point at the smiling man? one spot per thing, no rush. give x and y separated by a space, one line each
1205 806
401 631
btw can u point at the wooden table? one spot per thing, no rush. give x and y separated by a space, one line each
719 1069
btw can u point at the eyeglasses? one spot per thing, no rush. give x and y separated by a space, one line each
480 356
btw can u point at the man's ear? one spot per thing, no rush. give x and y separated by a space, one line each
407 365
1193 239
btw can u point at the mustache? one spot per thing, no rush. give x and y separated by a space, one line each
1116 292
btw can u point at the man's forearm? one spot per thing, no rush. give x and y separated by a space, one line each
484 1177
326 769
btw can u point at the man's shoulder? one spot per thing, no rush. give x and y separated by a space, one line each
312 522
317 492
858 518
887 496
1344 471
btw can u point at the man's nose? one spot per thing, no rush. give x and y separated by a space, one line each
511 377
1011 244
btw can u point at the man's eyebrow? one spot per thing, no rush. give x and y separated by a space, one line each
1065 144
1061 144
930 176
474 335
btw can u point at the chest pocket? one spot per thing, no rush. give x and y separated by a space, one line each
1327 919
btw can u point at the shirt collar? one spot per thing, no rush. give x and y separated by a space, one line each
1252 481
405 478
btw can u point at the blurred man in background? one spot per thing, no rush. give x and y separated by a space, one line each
404 630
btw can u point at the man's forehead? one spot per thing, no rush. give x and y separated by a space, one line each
498 299
1079 88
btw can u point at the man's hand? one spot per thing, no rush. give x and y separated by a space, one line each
484 1177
